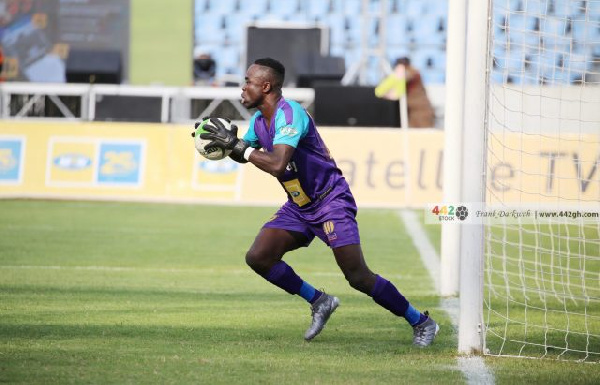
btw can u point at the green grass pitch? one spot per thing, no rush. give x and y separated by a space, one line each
122 293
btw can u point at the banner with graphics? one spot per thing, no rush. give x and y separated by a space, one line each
384 167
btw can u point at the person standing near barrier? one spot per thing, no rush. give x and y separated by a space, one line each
319 203
420 111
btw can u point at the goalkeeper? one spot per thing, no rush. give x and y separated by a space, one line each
319 201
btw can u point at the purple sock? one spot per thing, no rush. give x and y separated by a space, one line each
386 295
283 276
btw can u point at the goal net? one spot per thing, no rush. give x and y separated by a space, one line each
542 239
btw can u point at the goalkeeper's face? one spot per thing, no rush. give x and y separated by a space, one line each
254 85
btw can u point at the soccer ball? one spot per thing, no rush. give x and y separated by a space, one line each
213 153
462 212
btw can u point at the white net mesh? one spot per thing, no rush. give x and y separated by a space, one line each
542 273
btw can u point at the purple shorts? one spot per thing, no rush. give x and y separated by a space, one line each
333 221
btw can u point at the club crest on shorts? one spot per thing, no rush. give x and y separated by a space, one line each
329 229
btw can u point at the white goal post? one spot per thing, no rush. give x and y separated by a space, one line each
530 176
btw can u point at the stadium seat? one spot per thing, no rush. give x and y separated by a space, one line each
414 8
209 28
433 77
228 60
337 28
427 30
564 8
352 7
578 63
518 22
394 53
428 59
373 31
535 7
555 27
396 30
498 76
236 27
222 7
352 57
321 7
284 8
585 32
593 8
252 8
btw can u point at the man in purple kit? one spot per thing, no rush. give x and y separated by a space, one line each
319 201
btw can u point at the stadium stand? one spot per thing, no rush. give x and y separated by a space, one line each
416 29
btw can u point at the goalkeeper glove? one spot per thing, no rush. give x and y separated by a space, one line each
225 139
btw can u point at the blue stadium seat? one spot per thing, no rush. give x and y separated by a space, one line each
252 8
438 8
321 7
433 77
564 8
337 50
535 7
236 27
396 30
394 53
209 28
497 76
373 31
428 59
284 8
351 56
353 29
555 27
351 8
514 61
337 30
586 32
518 22
578 63
228 60
427 30
515 78
593 7
222 7
201 6
414 8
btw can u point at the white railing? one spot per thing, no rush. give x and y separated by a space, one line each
175 101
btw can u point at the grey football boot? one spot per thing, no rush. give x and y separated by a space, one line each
321 310
424 333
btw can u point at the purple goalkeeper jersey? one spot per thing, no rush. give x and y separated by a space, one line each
312 175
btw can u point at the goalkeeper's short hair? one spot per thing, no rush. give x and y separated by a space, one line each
277 69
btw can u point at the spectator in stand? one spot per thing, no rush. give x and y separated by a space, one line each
205 68
420 110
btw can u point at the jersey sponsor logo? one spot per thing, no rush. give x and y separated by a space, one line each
295 190
291 166
329 229
288 131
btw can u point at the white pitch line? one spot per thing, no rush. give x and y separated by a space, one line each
472 367
247 271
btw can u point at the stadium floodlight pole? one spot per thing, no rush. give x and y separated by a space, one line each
453 126
470 327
